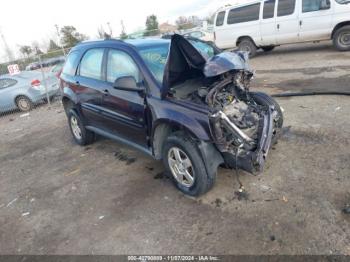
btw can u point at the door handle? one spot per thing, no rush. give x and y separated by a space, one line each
300 22
278 26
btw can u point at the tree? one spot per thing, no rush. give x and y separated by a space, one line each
52 46
151 26
70 36
26 50
184 22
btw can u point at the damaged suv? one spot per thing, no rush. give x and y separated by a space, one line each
181 100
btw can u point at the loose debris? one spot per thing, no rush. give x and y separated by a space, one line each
24 115
13 201
101 217
73 172
25 214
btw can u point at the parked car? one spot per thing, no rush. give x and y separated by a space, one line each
163 97
33 66
200 34
265 24
24 90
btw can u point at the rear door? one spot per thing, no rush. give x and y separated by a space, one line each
124 110
268 23
89 85
315 20
287 22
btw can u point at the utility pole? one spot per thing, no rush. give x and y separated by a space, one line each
8 51
59 40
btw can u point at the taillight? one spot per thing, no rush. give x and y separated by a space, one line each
35 83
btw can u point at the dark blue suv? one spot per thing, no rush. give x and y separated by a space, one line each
180 100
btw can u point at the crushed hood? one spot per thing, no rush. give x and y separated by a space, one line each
186 62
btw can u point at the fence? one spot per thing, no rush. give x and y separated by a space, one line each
30 82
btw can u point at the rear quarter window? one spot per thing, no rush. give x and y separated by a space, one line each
244 14
7 82
70 66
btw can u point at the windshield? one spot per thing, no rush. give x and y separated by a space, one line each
343 1
155 56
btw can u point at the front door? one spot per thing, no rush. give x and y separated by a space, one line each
315 20
123 110
287 23
88 85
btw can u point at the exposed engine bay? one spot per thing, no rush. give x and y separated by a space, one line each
237 120
243 124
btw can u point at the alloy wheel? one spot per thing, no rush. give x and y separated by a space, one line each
181 167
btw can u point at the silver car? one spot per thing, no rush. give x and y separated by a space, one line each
24 90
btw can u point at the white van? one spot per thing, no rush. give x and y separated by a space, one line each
268 23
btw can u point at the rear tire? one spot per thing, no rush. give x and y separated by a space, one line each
341 38
189 154
267 48
81 135
248 45
24 103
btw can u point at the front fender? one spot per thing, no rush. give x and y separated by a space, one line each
196 122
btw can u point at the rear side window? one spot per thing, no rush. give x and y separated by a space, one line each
7 82
121 64
269 8
315 5
285 7
220 18
71 64
244 14
91 64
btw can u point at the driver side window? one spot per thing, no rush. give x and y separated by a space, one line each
121 64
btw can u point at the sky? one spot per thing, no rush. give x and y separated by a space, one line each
24 21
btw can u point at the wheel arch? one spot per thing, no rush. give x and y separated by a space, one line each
338 26
162 128
241 38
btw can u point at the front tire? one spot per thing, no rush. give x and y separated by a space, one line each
184 165
341 38
81 135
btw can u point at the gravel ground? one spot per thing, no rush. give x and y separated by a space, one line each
59 198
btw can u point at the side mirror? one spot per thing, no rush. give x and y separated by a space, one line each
127 83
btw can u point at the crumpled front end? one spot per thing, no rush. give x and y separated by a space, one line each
243 124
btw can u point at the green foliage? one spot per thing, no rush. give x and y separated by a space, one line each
70 36
151 26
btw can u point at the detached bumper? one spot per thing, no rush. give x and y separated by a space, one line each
254 161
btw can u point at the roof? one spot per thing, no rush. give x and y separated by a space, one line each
239 4
138 43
